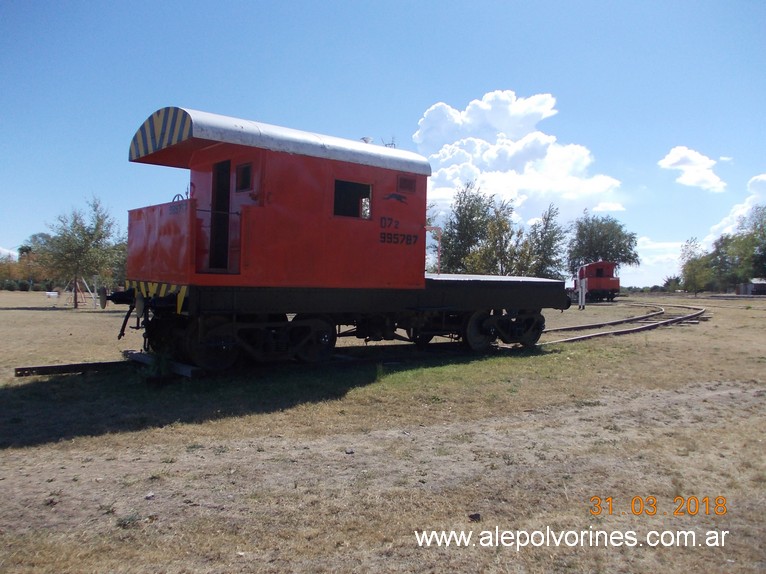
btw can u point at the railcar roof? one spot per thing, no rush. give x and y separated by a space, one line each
171 136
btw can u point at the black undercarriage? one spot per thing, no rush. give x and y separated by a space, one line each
218 325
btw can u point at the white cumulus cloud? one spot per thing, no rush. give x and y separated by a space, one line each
658 251
495 142
609 206
696 169
756 188
659 260
498 112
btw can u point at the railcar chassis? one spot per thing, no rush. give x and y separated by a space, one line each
218 325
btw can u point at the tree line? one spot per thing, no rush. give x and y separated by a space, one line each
735 258
481 237
80 245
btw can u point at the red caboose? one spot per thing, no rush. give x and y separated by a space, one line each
601 281
289 239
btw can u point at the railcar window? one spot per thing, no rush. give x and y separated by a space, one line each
353 199
406 184
245 177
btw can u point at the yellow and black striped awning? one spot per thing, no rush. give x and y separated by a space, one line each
163 129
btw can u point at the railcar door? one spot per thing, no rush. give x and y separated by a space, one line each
246 192
219 217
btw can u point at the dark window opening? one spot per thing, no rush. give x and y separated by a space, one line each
245 177
600 272
352 199
406 184
219 217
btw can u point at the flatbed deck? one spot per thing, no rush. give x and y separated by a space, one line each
444 292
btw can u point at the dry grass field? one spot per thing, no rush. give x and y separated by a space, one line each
335 468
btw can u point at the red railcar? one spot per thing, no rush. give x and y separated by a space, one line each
601 284
288 239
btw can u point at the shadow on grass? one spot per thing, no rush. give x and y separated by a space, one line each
52 409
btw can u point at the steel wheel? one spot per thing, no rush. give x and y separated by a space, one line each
421 341
475 336
320 338
533 326
215 348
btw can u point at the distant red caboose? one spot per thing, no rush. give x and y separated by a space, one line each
601 282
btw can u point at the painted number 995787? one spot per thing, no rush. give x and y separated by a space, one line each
398 238
393 237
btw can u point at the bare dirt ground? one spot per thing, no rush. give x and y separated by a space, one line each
336 468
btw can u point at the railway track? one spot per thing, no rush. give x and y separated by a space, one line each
657 317
130 357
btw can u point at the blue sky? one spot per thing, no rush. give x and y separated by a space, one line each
651 112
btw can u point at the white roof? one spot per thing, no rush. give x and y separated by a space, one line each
170 136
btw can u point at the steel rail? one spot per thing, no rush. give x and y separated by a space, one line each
697 311
66 369
188 371
609 323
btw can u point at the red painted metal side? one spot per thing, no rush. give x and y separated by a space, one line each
283 231
284 237
161 242
388 249
294 239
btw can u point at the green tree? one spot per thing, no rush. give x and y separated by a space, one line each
480 236
543 247
7 265
80 245
600 238
750 244
724 263
495 254
696 270
29 265
118 269
672 283
740 256
466 229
